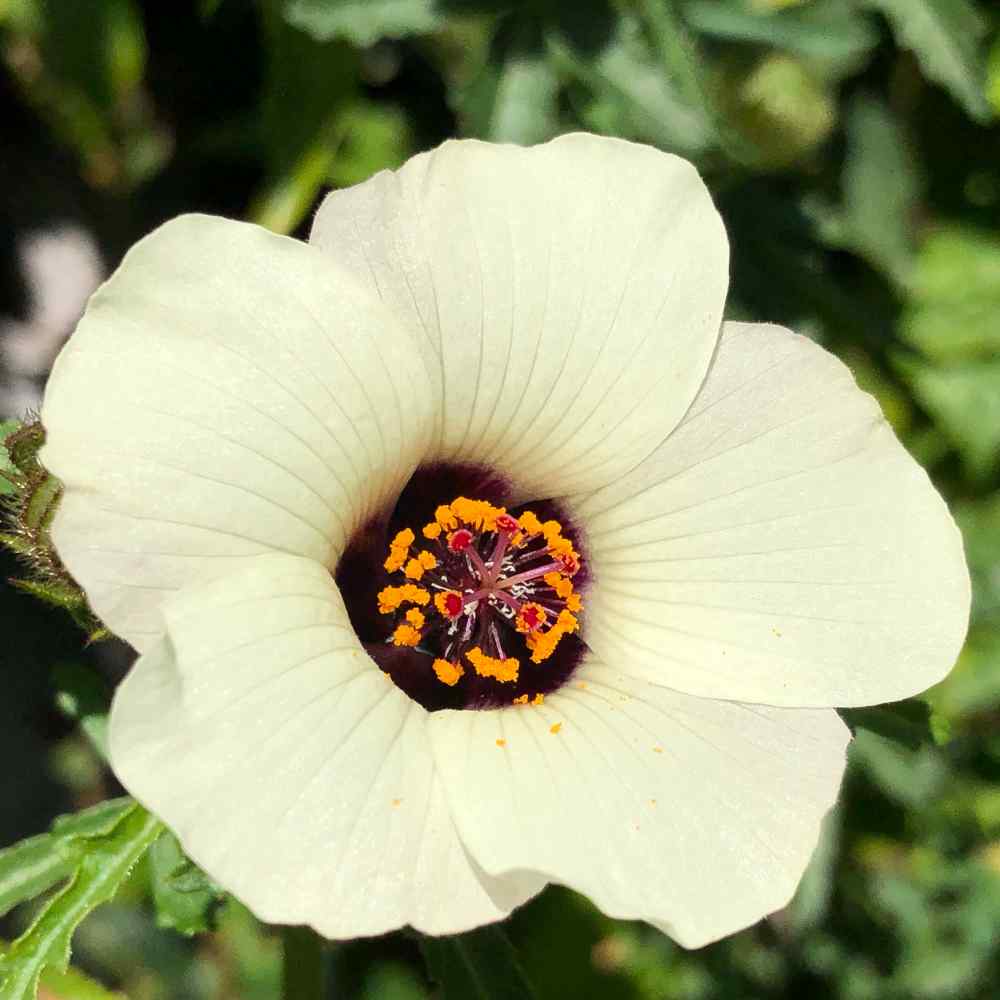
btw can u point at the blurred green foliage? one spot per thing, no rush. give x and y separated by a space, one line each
853 150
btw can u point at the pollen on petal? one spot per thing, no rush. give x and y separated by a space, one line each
505 670
521 700
447 672
555 727
405 635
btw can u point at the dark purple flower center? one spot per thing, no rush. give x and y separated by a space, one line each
463 602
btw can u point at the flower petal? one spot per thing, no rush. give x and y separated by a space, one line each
781 546
558 291
290 767
227 393
696 815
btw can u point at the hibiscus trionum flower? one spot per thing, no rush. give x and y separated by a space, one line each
467 550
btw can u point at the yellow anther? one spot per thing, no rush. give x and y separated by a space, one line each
522 700
445 517
432 530
538 699
562 585
399 549
448 673
404 539
504 671
567 622
573 603
415 618
405 635
395 560
415 569
390 598
530 523
426 560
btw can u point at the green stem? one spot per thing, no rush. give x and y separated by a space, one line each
676 50
304 967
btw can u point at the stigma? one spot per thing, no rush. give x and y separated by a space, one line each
482 591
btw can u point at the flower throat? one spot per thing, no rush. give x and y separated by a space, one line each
477 607
480 573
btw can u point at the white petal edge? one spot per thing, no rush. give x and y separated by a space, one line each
227 393
781 546
291 768
568 295
698 816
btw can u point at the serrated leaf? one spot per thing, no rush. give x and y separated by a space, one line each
363 22
30 867
479 965
830 32
8 471
185 897
881 190
54 592
106 863
946 37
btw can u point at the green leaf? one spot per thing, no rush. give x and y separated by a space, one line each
946 37
881 190
363 22
184 896
479 965
630 95
34 865
964 400
74 985
8 471
30 867
907 723
952 312
829 32
980 524
83 697
106 863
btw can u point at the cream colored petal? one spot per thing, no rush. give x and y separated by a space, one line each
228 392
291 768
781 546
698 816
569 296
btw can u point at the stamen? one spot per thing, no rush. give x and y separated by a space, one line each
498 581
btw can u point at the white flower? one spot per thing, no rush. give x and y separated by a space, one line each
238 410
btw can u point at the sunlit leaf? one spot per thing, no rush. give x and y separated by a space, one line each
881 189
964 400
828 31
952 313
185 898
103 867
363 22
